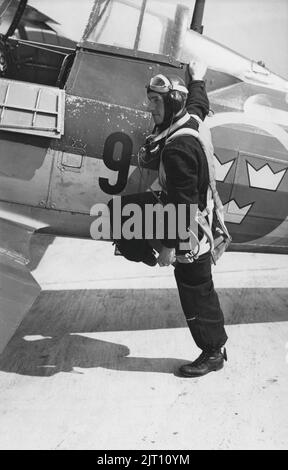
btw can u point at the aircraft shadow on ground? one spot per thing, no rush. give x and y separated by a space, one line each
57 317
75 311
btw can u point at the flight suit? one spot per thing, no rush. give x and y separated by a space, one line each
187 179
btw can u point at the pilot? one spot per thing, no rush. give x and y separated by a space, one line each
184 179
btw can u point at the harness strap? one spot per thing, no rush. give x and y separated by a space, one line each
209 153
213 202
213 198
173 127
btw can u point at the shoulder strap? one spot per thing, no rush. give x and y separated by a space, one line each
206 143
197 118
204 137
181 132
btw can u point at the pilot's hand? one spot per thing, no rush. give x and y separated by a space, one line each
195 70
166 256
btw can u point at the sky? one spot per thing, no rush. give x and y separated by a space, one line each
257 29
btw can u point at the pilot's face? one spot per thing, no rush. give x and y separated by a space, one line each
156 107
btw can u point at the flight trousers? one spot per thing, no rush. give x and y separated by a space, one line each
199 300
200 303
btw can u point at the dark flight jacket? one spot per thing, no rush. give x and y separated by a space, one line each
185 164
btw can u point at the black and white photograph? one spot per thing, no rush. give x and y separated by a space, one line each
143 227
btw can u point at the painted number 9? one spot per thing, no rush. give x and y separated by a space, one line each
117 157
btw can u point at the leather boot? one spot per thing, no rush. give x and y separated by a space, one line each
205 363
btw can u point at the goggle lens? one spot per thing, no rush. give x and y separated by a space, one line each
159 84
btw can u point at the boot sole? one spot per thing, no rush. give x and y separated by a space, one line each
195 376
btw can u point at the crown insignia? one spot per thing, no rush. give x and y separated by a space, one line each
265 178
235 214
222 169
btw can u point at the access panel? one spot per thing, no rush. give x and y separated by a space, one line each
31 108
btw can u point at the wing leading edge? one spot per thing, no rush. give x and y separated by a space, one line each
18 288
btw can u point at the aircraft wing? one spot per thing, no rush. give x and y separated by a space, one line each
18 288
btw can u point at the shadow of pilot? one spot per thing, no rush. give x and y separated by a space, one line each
49 356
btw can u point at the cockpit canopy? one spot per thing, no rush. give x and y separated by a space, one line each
8 10
153 26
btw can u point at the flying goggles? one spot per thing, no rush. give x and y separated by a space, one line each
161 84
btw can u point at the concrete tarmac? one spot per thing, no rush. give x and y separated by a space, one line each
94 364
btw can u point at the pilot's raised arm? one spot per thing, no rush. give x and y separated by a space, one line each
197 100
